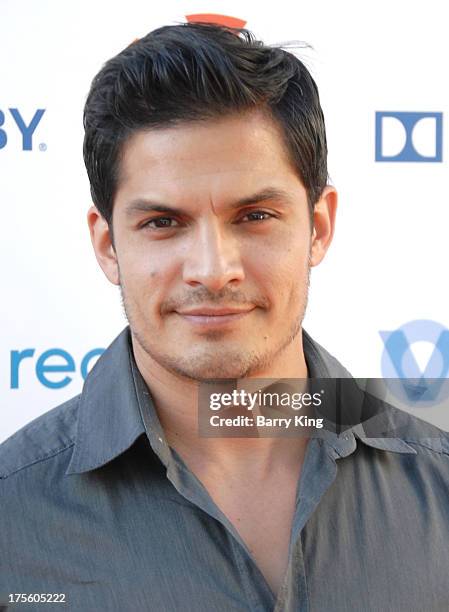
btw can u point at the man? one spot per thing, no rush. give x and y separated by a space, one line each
206 154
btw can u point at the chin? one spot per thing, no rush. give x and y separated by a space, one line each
213 367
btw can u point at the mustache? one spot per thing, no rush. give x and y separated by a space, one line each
227 297
201 297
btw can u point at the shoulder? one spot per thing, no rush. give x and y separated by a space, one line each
409 438
44 437
421 435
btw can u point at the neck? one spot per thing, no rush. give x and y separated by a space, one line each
176 402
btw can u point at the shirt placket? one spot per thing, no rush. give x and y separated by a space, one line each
257 592
318 473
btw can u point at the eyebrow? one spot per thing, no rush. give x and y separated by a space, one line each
144 205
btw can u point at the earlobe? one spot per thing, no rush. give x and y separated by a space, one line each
101 241
323 224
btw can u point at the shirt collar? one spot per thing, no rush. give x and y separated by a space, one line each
321 364
115 408
109 419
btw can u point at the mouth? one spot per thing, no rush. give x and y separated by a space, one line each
218 319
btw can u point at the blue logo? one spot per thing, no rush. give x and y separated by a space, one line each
26 129
43 367
398 362
409 137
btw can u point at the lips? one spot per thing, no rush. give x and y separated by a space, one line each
214 312
214 317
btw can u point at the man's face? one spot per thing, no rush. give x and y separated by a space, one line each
238 238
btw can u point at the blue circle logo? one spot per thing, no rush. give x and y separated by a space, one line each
404 377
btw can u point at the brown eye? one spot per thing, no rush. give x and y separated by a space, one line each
258 215
160 223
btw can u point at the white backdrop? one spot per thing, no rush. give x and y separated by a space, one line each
387 264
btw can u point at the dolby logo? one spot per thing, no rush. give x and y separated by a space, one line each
409 136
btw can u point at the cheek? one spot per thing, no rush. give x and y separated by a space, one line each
281 268
141 282
150 275
140 268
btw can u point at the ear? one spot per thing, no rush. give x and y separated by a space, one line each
323 224
102 243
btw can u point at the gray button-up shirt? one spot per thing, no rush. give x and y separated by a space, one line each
97 507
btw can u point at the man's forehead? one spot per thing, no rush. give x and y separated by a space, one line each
228 161
237 143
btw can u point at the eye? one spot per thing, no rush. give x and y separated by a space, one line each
160 223
258 214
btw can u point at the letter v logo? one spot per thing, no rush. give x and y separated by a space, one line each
398 359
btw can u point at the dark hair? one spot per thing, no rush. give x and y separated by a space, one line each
191 72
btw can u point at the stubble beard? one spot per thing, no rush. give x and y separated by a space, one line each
209 364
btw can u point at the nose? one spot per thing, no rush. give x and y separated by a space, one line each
214 258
